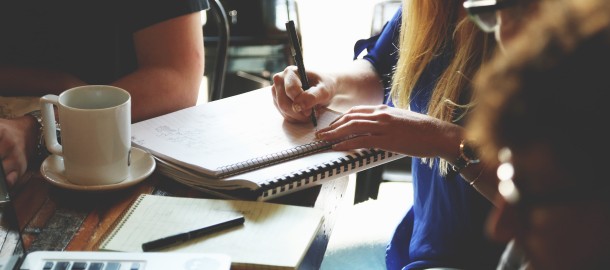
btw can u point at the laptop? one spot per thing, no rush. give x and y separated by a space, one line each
14 256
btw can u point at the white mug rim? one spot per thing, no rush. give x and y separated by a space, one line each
61 101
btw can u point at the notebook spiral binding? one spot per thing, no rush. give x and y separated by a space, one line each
118 223
310 176
274 158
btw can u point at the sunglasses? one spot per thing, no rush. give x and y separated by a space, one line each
483 12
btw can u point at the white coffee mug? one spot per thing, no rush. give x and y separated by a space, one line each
95 123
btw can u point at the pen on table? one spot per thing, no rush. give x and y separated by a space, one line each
181 237
297 53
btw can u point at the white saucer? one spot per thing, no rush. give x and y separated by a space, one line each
142 165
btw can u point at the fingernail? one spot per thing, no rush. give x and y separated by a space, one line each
296 108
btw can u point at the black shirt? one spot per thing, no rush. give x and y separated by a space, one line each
90 39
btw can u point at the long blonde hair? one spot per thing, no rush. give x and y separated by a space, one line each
430 27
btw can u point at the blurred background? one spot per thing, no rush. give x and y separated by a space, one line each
259 46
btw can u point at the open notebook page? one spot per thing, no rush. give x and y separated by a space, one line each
212 135
272 235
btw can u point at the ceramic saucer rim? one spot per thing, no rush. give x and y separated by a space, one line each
135 174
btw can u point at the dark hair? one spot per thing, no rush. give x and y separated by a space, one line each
551 87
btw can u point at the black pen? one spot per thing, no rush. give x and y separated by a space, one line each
181 237
297 53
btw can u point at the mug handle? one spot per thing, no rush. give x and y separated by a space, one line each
48 118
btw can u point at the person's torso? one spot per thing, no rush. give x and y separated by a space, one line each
90 39
448 215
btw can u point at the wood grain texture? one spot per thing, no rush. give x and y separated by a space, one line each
56 219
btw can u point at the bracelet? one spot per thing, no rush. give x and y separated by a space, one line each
474 181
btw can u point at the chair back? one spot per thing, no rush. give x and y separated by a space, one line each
219 13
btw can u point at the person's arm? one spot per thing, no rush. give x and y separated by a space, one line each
22 81
359 83
483 178
170 67
170 59
409 133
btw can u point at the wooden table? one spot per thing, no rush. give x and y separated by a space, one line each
52 218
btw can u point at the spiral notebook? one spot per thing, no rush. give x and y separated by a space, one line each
241 147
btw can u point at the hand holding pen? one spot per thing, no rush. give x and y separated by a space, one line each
297 53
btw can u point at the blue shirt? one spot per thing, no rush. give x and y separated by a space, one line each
445 225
